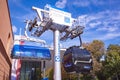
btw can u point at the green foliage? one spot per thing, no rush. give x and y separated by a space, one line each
111 67
100 75
65 76
51 74
97 48
112 63
87 77
101 71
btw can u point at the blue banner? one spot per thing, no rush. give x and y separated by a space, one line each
30 52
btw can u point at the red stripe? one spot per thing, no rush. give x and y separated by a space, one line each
18 69
21 42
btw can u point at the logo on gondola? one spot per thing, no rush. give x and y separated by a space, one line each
57 58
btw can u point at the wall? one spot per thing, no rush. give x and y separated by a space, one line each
6 41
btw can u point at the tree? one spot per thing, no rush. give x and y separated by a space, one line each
51 74
96 47
112 63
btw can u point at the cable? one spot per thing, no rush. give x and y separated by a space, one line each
80 40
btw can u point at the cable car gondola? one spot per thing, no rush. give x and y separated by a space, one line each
76 59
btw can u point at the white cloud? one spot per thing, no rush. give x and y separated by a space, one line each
82 16
82 20
61 3
86 3
14 28
98 2
109 36
101 21
29 16
94 24
110 29
106 20
18 3
82 3
103 37
94 18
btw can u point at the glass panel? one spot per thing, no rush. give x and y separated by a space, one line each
22 73
30 70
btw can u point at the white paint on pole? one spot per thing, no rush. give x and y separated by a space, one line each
57 64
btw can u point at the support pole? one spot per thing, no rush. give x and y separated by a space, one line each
57 60
78 76
44 69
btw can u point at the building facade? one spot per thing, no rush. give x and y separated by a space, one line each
6 41
31 67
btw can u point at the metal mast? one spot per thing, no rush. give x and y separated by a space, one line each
59 22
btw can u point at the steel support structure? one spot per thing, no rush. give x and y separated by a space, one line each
57 59
59 22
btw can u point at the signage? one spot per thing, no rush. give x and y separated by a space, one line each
30 52
60 17
57 58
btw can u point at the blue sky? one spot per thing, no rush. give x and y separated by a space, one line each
101 18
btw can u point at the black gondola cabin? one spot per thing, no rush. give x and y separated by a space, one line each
76 59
